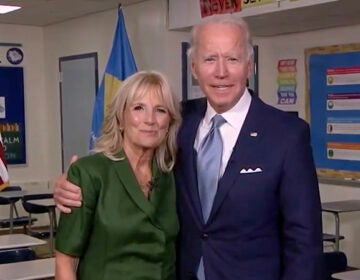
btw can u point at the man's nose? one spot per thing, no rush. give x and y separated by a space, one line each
221 68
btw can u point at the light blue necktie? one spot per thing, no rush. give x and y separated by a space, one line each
208 165
208 169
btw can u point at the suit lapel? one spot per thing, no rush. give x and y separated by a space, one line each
127 178
188 155
190 169
245 147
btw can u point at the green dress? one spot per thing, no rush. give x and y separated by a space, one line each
117 233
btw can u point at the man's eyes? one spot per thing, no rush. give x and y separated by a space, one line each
209 59
230 59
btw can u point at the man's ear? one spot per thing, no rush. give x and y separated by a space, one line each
250 67
193 69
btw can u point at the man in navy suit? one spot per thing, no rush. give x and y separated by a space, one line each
265 219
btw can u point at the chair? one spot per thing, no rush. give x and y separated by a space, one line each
36 209
333 262
17 220
17 255
331 238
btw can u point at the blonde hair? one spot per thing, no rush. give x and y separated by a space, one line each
230 19
111 140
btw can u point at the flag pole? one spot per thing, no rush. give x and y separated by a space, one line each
121 64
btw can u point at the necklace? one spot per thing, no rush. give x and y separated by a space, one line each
145 188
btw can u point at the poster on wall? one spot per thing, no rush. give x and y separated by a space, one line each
212 7
286 81
255 3
333 79
12 112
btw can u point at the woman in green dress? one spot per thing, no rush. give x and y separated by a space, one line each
127 224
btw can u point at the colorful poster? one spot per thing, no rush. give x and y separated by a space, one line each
343 101
343 76
12 107
13 142
254 3
343 125
287 81
343 151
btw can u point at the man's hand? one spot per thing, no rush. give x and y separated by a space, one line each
66 194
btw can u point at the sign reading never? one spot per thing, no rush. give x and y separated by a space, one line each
211 7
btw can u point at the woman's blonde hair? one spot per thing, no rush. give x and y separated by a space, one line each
111 140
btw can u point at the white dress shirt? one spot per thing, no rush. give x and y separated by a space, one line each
229 131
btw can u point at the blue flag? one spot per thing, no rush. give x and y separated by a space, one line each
120 65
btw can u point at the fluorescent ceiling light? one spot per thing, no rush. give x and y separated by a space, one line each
7 9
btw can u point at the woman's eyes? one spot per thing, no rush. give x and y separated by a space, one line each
157 109
162 110
138 107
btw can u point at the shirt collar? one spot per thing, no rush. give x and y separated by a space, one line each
231 116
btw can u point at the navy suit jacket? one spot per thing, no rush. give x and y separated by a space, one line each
264 225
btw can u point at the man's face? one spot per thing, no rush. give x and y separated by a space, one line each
221 64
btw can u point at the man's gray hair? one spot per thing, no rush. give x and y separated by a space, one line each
223 19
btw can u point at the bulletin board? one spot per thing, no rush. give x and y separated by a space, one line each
333 109
12 113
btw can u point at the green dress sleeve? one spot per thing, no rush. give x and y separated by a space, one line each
75 228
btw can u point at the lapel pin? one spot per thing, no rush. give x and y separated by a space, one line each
253 134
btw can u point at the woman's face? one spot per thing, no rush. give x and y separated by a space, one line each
146 122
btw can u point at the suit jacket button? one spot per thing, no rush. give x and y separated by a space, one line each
192 276
204 236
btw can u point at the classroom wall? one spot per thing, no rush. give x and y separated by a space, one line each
36 101
154 48
271 49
